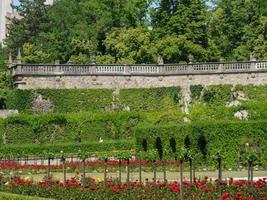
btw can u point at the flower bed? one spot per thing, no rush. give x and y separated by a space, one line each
73 166
98 189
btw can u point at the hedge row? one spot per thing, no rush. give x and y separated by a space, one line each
67 148
63 100
205 139
59 128
76 100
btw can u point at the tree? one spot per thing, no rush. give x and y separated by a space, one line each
3 58
181 29
130 46
236 28
31 21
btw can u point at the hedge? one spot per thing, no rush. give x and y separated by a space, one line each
59 128
68 148
150 99
91 100
63 100
205 139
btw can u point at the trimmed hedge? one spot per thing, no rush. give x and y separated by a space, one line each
91 100
59 128
64 100
67 148
205 139
150 99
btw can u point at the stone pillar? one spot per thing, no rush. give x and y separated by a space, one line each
57 66
18 69
19 57
10 62
127 69
161 64
253 63
221 65
189 67
93 71
190 58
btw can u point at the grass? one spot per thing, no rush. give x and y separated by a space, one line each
9 196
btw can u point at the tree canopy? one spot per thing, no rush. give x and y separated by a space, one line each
138 31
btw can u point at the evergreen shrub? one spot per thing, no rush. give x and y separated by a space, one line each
207 138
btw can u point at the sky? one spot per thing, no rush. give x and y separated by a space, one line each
16 2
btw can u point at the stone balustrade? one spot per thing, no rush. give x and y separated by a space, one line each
144 69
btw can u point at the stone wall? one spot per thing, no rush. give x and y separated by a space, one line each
141 81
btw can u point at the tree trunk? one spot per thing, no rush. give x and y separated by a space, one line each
219 176
105 170
64 171
181 180
164 172
155 173
84 178
219 169
191 170
140 170
128 173
249 172
120 170
49 168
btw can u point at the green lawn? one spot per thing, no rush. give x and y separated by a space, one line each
9 196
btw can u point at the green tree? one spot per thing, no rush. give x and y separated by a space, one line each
3 58
130 46
181 29
32 21
238 29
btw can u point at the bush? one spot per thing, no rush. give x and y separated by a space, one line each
20 100
58 128
151 99
208 138
97 100
196 91
24 150
217 94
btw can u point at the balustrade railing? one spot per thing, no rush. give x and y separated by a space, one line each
166 69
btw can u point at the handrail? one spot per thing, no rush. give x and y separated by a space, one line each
143 69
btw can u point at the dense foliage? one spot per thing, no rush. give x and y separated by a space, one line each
138 31
58 128
205 139
105 148
76 100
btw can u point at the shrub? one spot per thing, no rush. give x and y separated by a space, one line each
69 149
58 128
207 138
196 91
150 99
